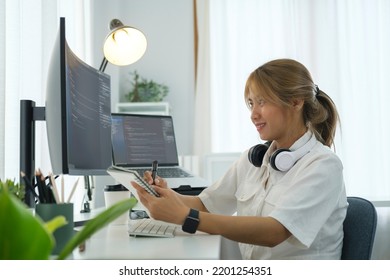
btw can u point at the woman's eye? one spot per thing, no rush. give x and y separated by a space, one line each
261 102
258 102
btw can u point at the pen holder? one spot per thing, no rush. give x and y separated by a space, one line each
62 235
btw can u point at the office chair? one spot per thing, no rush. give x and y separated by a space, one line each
359 229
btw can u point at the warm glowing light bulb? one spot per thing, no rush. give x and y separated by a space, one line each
124 45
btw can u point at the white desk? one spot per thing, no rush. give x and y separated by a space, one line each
113 242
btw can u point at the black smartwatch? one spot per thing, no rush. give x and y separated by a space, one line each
192 221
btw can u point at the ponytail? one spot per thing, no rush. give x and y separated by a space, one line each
322 117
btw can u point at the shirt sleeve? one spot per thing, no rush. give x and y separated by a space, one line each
219 198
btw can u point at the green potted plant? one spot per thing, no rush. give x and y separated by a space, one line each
13 187
16 220
144 90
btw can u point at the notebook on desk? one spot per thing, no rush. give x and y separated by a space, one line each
138 140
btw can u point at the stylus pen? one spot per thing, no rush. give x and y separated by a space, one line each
154 170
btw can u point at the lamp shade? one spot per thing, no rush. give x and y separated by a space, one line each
124 45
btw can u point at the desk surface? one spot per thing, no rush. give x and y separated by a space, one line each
113 242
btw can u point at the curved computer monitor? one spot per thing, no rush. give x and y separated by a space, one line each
78 113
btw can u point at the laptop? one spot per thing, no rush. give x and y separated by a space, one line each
138 140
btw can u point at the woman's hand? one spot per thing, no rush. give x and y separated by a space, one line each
158 181
167 207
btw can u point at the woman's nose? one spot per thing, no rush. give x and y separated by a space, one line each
255 112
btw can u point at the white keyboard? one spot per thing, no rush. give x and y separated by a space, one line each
150 227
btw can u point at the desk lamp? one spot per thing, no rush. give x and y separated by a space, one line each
124 45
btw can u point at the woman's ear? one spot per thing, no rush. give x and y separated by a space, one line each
298 104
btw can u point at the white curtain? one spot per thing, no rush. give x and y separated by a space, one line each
28 31
202 126
344 44
21 74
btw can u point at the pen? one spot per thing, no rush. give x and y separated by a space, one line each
41 188
62 189
46 189
154 169
54 187
47 177
50 194
73 189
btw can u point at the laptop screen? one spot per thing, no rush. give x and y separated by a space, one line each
138 140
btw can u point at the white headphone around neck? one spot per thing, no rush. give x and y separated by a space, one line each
281 159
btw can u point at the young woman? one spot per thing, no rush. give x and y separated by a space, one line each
288 196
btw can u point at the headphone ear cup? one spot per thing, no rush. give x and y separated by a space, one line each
256 154
282 160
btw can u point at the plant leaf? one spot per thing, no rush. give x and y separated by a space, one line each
55 223
22 236
97 223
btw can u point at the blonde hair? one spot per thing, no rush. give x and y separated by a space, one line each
283 80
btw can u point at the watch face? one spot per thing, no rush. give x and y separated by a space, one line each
192 221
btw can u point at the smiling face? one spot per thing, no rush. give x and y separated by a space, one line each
273 119
270 120
285 103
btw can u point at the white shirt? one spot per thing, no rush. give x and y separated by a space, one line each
309 200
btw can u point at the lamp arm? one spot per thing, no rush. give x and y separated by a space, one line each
103 64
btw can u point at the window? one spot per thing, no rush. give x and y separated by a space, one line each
344 44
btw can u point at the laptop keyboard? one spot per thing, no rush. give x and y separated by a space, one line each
150 227
167 172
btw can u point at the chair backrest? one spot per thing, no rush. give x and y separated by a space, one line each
359 229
